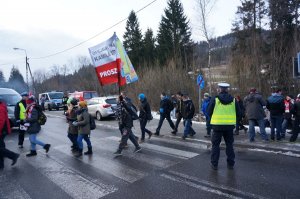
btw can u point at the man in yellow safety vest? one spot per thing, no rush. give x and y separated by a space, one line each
223 111
20 115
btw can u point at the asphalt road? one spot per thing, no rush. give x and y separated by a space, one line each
167 167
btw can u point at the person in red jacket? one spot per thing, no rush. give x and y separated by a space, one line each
4 130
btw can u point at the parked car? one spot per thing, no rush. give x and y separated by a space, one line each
101 107
11 98
83 95
53 100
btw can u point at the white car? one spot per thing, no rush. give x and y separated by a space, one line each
101 107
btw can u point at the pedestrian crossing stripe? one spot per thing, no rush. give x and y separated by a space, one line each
74 183
164 150
110 166
11 189
111 146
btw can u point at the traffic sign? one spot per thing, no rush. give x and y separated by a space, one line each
200 81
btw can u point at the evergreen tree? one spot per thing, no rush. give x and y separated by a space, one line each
16 80
149 47
174 33
2 79
133 39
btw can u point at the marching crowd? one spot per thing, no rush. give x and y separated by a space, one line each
223 114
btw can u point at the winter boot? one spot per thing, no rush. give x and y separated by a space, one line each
47 147
32 153
89 152
15 159
79 153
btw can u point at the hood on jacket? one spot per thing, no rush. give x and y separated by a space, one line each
225 98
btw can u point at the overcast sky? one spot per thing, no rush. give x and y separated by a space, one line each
45 27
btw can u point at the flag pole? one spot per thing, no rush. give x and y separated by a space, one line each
119 67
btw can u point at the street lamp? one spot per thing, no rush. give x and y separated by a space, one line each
26 59
27 69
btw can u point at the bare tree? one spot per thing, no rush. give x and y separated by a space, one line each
203 10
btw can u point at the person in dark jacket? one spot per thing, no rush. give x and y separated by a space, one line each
188 114
287 116
166 107
296 112
71 116
125 124
20 115
239 124
204 108
223 111
179 110
144 115
275 104
254 106
129 103
4 130
84 129
34 127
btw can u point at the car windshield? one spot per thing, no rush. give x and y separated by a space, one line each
89 95
56 95
111 101
11 99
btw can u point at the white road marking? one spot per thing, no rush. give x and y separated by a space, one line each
211 184
164 150
111 146
11 190
197 186
74 183
110 166
277 152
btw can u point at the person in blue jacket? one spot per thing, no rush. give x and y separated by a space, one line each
204 109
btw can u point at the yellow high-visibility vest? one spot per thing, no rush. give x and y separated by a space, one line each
22 111
223 114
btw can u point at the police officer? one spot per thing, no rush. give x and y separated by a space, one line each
20 115
223 111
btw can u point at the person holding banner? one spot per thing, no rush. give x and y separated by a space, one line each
125 125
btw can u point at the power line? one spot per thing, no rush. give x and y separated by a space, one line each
121 21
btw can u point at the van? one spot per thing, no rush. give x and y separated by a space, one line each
53 100
11 97
83 95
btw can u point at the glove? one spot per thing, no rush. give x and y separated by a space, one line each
75 123
161 110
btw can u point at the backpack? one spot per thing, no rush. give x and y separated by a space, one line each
42 118
92 123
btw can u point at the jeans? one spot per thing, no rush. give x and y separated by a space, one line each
276 122
143 123
216 140
284 126
34 141
73 138
296 129
127 134
161 120
86 139
261 124
188 127
5 153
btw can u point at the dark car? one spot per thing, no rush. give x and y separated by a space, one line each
11 98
